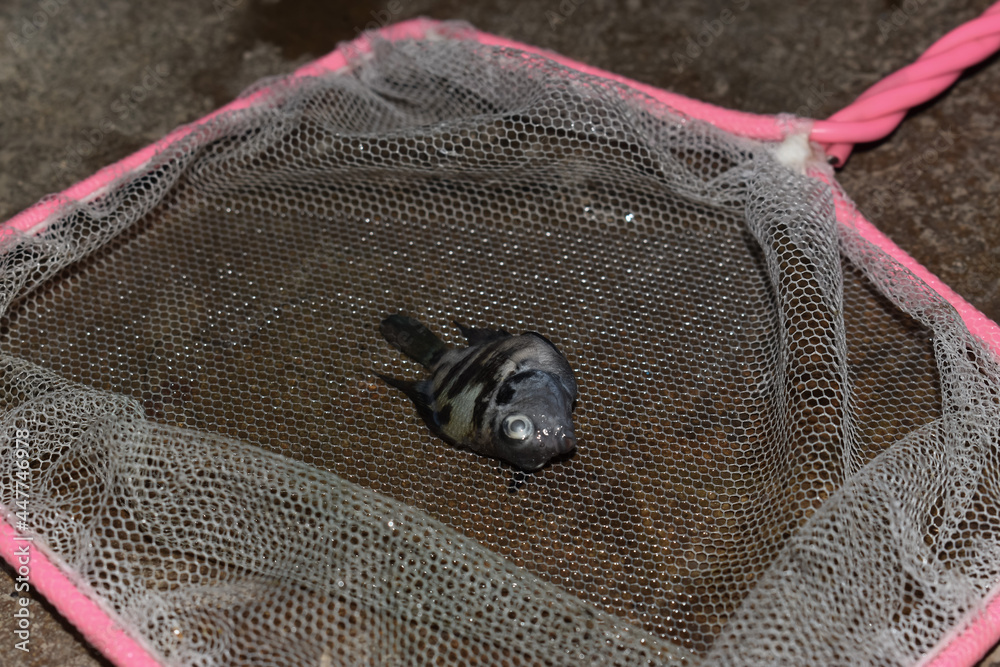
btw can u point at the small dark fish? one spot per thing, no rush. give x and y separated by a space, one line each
505 396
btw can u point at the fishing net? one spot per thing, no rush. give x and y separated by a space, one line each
787 439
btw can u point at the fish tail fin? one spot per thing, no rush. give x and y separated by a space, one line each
413 339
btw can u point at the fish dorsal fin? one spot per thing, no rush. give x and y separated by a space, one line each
413 339
546 340
477 336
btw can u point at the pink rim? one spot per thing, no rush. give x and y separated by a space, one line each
878 110
962 649
967 646
101 630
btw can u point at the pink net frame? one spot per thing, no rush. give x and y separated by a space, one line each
874 115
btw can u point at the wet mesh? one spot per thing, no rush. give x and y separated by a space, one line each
787 443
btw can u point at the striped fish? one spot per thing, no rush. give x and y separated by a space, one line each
504 396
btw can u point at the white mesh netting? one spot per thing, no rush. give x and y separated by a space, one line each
787 443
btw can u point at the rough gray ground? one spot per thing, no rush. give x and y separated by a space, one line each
98 79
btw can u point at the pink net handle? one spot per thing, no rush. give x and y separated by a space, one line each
877 112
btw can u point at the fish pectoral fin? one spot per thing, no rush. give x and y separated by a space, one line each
476 336
416 391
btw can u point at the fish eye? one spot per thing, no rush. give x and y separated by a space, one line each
518 427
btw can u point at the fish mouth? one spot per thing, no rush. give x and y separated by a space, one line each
544 448
565 443
553 446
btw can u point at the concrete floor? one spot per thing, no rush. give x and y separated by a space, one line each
84 83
